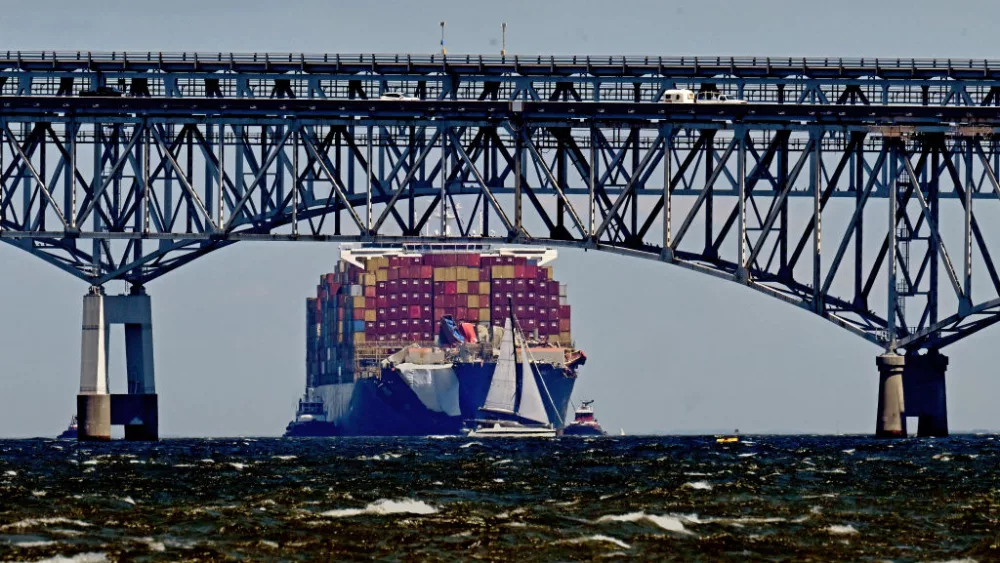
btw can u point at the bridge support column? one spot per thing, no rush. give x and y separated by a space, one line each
912 385
889 420
97 409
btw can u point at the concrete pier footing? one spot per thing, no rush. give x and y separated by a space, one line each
97 409
912 385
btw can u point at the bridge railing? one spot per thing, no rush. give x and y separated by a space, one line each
624 61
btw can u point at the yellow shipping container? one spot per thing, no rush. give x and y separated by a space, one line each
380 262
496 272
381 275
359 338
370 279
564 338
359 302
371 315
474 302
463 287
548 272
484 288
452 273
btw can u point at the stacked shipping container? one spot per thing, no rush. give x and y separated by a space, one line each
395 300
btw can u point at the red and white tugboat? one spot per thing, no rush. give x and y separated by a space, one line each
70 431
584 424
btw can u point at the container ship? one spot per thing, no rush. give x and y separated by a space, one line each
402 340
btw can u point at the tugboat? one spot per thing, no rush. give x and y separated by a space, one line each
70 432
584 424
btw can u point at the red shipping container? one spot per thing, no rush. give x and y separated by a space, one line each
394 286
564 311
450 259
531 271
450 301
359 314
520 272
427 272
439 287
414 311
563 325
461 312
439 301
450 288
393 274
382 301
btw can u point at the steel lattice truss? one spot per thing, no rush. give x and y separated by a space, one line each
879 222
778 80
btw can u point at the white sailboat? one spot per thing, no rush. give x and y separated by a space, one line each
528 419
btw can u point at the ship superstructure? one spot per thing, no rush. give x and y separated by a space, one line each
395 329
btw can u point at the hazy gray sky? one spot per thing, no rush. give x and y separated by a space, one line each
670 350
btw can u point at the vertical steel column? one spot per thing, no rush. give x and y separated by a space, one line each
858 160
741 170
591 182
222 175
668 147
518 163
893 194
709 199
70 142
934 250
295 181
817 184
446 130
368 188
145 176
967 225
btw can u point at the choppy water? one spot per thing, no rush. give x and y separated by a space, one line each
662 498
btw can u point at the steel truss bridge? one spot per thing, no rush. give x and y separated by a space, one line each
864 191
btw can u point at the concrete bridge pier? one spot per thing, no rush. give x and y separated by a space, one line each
912 385
97 409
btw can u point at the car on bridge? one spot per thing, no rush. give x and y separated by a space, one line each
101 91
685 96
398 97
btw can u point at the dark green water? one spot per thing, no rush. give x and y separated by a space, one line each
653 498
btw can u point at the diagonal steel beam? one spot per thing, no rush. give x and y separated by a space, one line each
185 182
338 188
482 185
629 188
704 193
273 154
41 183
555 185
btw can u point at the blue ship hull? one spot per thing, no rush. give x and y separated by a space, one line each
387 406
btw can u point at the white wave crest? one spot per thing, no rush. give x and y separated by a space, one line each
92 557
32 522
669 523
699 485
841 530
598 538
383 507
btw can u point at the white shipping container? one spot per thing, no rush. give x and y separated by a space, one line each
357 290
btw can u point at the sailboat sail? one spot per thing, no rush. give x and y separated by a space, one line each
531 406
504 385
